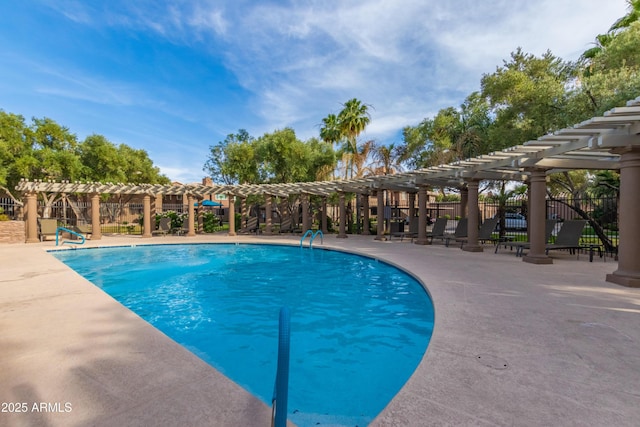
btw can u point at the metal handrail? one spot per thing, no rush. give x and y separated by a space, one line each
59 229
281 386
313 235
309 232
316 235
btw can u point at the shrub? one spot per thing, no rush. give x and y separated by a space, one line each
210 222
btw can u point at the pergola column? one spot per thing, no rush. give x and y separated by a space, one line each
146 216
380 215
422 216
323 215
628 272
232 215
464 202
191 218
304 200
472 219
200 217
96 232
157 201
342 233
412 206
32 217
268 199
536 219
243 211
365 214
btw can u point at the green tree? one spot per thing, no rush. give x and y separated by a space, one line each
103 161
138 167
234 160
610 78
100 160
415 139
527 96
322 160
453 134
283 157
16 154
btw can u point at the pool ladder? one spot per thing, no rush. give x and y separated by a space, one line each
281 386
71 242
313 236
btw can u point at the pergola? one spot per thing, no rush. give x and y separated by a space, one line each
611 141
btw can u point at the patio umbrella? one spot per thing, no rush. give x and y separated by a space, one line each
208 203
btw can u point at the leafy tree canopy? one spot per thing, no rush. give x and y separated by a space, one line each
44 149
276 157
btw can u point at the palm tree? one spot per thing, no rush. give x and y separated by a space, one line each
631 17
330 129
603 40
353 119
359 159
388 158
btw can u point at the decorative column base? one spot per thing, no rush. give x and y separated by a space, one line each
621 279
422 242
531 259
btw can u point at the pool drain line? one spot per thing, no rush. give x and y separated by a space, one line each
281 386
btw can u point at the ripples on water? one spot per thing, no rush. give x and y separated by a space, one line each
359 327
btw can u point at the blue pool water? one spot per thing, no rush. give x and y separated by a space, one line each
359 327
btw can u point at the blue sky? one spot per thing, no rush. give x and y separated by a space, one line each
174 77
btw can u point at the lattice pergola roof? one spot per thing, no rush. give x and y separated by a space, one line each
592 144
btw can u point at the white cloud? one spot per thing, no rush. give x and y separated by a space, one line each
299 61
303 57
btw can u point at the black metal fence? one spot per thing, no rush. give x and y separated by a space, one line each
9 208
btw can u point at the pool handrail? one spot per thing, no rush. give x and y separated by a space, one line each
309 232
316 235
281 386
71 242
313 235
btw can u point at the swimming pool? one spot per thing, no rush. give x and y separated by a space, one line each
359 327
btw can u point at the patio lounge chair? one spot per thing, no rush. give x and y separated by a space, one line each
252 226
549 226
461 231
164 227
568 238
438 229
47 227
414 225
82 229
484 233
286 226
183 229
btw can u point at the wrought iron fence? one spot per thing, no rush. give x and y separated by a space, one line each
9 208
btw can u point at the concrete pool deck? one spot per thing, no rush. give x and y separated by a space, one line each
514 344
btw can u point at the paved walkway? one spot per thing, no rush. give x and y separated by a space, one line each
514 344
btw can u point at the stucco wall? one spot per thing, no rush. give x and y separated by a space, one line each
12 232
